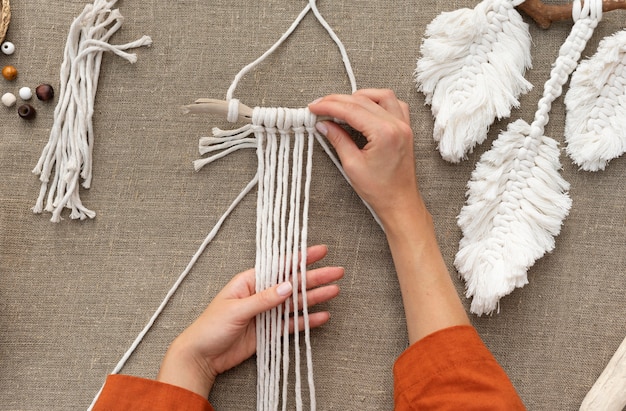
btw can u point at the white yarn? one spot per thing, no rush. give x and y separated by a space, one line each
516 198
69 149
471 71
595 128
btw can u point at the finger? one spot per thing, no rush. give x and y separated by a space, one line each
321 276
315 320
339 139
316 296
315 253
385 98
264 300
360 112
243 284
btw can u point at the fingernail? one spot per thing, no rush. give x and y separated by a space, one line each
284 289
315 101
321 127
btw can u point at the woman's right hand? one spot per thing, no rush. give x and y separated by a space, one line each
383 171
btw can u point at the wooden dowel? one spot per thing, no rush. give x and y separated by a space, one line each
609 391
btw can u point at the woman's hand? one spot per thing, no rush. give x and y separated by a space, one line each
224 335
383 171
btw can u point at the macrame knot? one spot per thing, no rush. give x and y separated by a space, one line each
233 110
590 9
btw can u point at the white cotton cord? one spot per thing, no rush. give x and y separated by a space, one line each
179 281
232 108
70 147
282 216
338 42
565 64
303 268
281 40
516 199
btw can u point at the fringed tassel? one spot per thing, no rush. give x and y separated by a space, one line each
224 142
595 128
68 152
516 198
472 71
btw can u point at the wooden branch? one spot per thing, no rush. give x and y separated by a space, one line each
609 391
220 107
5 19
544 14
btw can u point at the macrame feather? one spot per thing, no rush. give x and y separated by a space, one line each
516 198
471 71
595 128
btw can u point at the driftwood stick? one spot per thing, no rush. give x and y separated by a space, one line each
609 391
5 19
544 14
220 107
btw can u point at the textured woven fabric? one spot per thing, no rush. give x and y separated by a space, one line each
74 295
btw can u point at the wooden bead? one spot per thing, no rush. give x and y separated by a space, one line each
8 99
44 92
25 93
9 73
7 48
26 111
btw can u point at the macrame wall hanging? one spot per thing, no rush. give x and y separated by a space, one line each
516 198
283 139
67 157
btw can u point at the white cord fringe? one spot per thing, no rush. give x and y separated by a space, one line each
516 198
68 152
595 128
472 72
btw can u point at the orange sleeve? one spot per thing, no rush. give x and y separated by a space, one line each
452 369
123 392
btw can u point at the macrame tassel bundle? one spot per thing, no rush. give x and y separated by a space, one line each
595 128
284 141
516 198
471 71
68 153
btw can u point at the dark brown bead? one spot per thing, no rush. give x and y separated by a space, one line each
44 92
9 73
26 111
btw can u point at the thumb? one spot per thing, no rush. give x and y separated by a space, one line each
267 299
339 138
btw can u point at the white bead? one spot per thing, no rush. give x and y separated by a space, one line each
8 48
8 99
26 93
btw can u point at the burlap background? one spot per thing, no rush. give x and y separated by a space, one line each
74 295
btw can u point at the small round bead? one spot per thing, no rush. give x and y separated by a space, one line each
26 111
44 92
26 93
9 73
8 48
8 99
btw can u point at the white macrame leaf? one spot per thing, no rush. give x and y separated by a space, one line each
595 128
471 71
516 203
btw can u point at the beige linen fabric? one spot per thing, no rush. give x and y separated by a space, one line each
74 295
